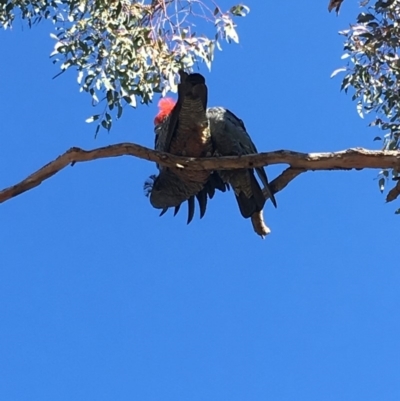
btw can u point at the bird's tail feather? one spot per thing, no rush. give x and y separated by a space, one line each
255 203
263 177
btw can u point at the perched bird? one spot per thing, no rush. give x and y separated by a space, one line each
182 129
229 138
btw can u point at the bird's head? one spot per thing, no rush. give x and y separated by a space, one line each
195 79
165 107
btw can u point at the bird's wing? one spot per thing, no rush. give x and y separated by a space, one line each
231 138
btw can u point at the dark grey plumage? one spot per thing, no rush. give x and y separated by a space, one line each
228 138
184 132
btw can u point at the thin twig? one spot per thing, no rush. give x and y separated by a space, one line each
282 181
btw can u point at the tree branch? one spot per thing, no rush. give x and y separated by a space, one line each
299 162
283 180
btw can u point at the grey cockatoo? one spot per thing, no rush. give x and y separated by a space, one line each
184 130
228 137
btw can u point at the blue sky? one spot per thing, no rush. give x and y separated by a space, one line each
100 299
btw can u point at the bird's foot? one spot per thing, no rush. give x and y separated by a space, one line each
259 225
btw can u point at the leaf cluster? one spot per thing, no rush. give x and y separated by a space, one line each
126 51
372 72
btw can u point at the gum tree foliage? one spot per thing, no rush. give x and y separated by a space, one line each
125 51
372 73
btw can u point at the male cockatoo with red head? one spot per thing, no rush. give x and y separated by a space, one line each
182 128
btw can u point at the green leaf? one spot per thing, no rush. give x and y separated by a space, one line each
120 110
110 98
360 109
381 184
92 118
334 73
364 17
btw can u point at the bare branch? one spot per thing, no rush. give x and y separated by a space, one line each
344 160
283 180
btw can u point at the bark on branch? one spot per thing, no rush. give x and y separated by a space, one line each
357 158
